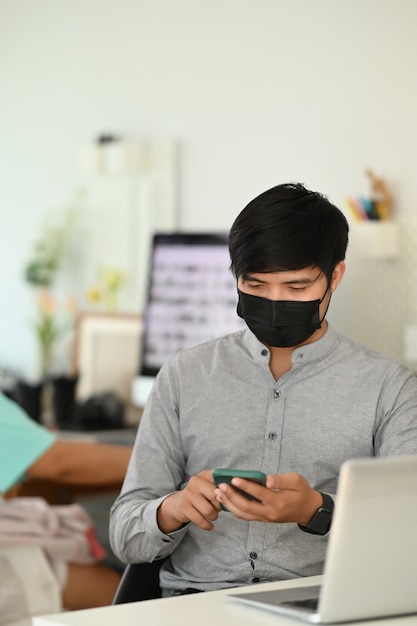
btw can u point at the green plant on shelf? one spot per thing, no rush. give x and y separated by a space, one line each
49 249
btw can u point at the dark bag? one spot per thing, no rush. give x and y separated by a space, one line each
102 411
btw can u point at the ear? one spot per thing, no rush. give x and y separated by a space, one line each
337 275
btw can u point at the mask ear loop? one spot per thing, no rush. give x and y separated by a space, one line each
328 304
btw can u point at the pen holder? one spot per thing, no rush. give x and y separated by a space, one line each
375 240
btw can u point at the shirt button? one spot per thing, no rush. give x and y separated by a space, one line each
264 352
277 393
272 435
253 555
256 580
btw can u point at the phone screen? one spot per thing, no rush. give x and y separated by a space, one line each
223 475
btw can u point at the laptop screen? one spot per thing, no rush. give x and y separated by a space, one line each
192 296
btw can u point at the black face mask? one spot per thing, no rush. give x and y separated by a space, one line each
280 323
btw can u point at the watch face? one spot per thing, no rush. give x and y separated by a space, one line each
320 522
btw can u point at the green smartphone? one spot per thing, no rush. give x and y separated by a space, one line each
223 475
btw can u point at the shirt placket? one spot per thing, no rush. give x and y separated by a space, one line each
271 457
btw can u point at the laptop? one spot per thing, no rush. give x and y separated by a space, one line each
192 298
371 562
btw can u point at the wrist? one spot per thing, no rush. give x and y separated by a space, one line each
165 515
315 501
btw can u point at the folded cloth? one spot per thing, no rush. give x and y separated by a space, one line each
28 586
65 532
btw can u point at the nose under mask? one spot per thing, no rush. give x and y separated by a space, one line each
280 323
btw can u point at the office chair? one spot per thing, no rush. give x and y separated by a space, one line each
140 581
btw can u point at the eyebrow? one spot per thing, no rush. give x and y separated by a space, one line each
295 281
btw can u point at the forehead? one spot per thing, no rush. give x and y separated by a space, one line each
306 275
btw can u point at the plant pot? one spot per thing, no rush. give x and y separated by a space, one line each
63 401
29 397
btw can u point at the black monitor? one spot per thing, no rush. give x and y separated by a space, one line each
192 298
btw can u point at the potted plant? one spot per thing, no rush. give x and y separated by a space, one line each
50 325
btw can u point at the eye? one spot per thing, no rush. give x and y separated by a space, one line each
254 285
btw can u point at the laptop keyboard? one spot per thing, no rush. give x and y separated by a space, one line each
310 604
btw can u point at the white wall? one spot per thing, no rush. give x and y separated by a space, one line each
257 91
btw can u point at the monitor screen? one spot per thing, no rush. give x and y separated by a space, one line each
192 295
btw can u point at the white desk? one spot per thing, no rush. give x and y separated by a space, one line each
202 609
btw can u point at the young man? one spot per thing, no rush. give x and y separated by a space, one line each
288 396
27 449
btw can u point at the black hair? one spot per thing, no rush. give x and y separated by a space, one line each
288 227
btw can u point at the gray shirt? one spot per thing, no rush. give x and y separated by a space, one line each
218 405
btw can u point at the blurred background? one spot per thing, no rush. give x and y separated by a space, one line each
118 119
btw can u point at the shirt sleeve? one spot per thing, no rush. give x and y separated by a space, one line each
22 442
156 469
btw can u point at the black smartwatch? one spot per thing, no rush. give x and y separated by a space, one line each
322 519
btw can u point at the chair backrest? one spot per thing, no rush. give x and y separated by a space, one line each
140 581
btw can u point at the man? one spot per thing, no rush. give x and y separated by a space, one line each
288 396
29 450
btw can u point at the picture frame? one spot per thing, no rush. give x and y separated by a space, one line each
107 353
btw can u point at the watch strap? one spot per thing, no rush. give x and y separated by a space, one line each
321 521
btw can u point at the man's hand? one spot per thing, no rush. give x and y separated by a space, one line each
196 503
285 498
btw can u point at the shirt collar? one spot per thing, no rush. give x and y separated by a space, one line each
317 349
310 352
